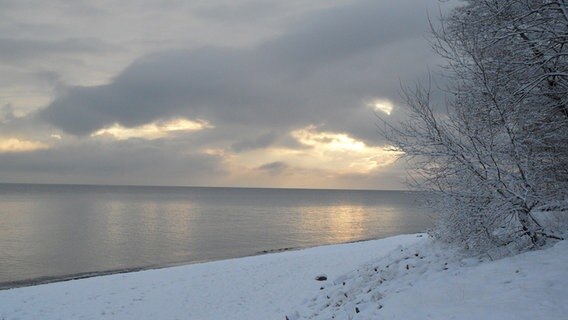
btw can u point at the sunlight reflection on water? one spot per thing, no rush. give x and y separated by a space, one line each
53 231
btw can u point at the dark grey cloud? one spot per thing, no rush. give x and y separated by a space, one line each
12 49
273 168
25 128
76 7
318 72
257 142
239 11
123 162
338 33
7 113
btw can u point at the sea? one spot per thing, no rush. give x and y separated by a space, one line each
61 232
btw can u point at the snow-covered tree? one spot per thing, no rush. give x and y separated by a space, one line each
498 152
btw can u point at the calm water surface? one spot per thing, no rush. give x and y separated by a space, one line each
54 231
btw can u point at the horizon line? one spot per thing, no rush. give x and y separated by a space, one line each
189 186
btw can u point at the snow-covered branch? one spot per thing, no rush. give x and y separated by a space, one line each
500 151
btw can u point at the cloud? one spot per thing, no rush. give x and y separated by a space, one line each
258 142
273 167
242 11
330 154
156 130
287 81
265 103
15 145
7 113
339 32
123 162
12 49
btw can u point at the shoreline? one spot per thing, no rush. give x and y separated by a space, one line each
266 286
401 277
9 285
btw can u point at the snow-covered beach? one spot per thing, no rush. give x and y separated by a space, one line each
402 277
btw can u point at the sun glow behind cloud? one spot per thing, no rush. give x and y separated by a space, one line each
329 141
155 130
323 156
255 80
382 105
14 145
343 153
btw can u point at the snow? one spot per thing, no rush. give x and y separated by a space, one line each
402 277
428 280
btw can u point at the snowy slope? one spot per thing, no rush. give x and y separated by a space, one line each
427 280
403 277
530 286
260 287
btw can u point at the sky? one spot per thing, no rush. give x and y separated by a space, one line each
242 93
